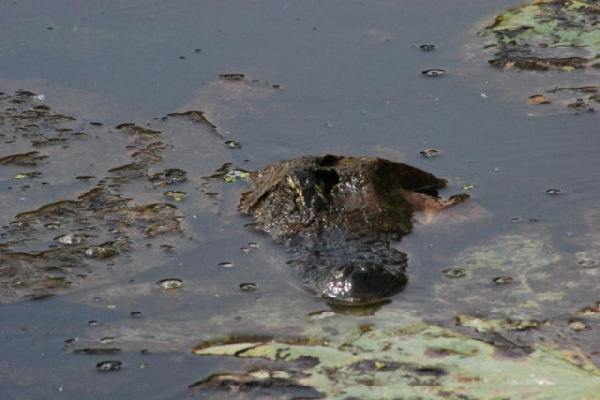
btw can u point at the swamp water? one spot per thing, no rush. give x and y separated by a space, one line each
127 131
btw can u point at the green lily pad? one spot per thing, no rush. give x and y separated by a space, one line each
426 363
548 35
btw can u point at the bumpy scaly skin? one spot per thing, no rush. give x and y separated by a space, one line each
337 216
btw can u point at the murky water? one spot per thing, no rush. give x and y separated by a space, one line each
337 76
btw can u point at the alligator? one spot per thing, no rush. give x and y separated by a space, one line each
337 217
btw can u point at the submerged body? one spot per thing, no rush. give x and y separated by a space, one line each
337 216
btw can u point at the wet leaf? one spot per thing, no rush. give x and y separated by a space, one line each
430 363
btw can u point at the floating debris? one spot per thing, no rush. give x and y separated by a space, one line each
588 263
170 283
434 72
234 175
468 187
107 340
503 280
321 315
169 176
539 99
578 326
225 264
232 77
102 251
175 195
109 366
429 153
233 144
96 350
586 311
248 287
72 238
136 129
454 273
28 175
30 159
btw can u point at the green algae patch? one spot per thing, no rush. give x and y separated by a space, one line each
427 363
551 48
548 35
512 275
59 236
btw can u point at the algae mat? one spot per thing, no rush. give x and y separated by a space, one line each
550 51
415 362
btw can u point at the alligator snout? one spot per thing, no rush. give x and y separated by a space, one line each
337 216
362 283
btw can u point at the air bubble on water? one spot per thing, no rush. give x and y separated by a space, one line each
170 283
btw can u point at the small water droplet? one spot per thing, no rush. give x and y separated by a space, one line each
503 280
248 287
226 264
454 273
434 72
170 283
109 366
